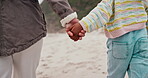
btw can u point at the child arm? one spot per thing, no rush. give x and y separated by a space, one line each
145 2
98 17
147 17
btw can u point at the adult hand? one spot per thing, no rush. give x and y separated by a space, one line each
69 27
77 32
71 34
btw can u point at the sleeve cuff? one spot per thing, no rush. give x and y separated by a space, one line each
83 25
68 18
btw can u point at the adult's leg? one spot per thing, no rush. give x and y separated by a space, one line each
5 67
26 62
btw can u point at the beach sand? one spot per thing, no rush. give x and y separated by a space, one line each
64 58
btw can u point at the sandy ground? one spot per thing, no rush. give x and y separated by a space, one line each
64 58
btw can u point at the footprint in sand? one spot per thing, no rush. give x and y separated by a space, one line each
39 73
44 65
49 56
104 72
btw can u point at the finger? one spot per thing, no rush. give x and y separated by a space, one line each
81 34
69 28
70 33
83 31
74 38
80 38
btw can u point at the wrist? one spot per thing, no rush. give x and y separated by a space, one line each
83 25
69 18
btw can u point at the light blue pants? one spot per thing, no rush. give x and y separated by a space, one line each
128 53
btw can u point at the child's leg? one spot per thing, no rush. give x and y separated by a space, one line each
119 56
120 53
139 64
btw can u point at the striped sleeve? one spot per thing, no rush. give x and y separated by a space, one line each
145 2
147 17
98 17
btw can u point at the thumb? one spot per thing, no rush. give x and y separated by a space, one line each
70 33
67 25
69 28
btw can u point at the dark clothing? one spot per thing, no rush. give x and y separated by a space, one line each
22 23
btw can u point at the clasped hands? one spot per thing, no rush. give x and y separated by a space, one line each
75 30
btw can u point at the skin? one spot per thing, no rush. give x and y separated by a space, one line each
75 30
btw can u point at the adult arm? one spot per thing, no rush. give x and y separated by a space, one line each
64 10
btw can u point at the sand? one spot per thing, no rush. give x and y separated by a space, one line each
64 58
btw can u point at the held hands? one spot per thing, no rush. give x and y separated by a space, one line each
75 30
